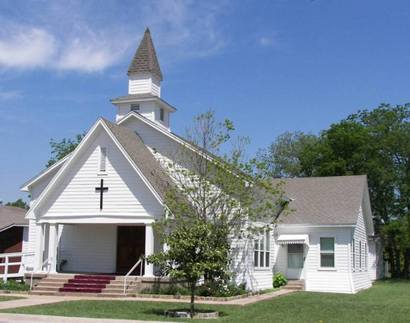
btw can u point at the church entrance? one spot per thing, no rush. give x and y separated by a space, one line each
130 246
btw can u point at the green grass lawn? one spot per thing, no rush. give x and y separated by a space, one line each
387 301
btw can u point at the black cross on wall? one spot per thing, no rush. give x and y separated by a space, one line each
101 189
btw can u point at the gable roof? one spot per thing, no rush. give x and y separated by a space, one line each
145 59
48 170
332 200
134 150
12 216
142 157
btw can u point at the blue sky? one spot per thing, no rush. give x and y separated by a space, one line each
270 66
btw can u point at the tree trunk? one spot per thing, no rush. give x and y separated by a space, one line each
406 273
192 306
397 270
391 261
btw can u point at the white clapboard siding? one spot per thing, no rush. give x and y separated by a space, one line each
142 84
76 194
33 233
360 275
88 248
243 268
316 278
37 188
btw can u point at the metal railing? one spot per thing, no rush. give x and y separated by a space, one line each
6 264
139 262
47 261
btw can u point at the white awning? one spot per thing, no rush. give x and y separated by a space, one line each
293 239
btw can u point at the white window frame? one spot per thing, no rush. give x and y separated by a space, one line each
262 253
327 252
102 163
365 256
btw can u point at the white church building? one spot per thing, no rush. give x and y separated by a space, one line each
92 211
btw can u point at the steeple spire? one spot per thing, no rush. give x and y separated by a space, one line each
145 59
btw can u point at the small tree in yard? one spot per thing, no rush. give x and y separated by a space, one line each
192 252
217 198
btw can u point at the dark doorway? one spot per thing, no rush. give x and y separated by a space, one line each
130 246
11 240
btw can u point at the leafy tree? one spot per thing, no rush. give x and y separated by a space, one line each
18 203
376 143
217 199
60 149
287 156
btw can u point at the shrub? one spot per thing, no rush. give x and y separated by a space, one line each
279 280
13 285
217 289
172 289
212 289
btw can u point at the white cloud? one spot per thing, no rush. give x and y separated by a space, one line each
25 47
188 29
90 38
90 53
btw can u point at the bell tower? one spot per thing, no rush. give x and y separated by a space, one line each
144 73
144 86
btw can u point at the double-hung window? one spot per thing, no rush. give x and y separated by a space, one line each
327 252
261 255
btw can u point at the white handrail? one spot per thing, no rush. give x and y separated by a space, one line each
139 262
7 263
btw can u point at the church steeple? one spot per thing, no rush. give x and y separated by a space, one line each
145 59
144 87
144 73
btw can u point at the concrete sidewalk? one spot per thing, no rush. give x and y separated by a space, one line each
24 318
32 300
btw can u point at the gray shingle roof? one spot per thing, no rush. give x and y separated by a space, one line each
142 157
324 200
10 215
145 59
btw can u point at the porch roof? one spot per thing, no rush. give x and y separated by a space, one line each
12 216
293 239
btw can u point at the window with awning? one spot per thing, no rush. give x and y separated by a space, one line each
293 239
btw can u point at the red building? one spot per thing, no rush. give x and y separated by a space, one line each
13 234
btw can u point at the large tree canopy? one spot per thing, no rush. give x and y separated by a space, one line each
373 142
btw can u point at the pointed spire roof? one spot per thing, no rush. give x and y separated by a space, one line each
145 59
